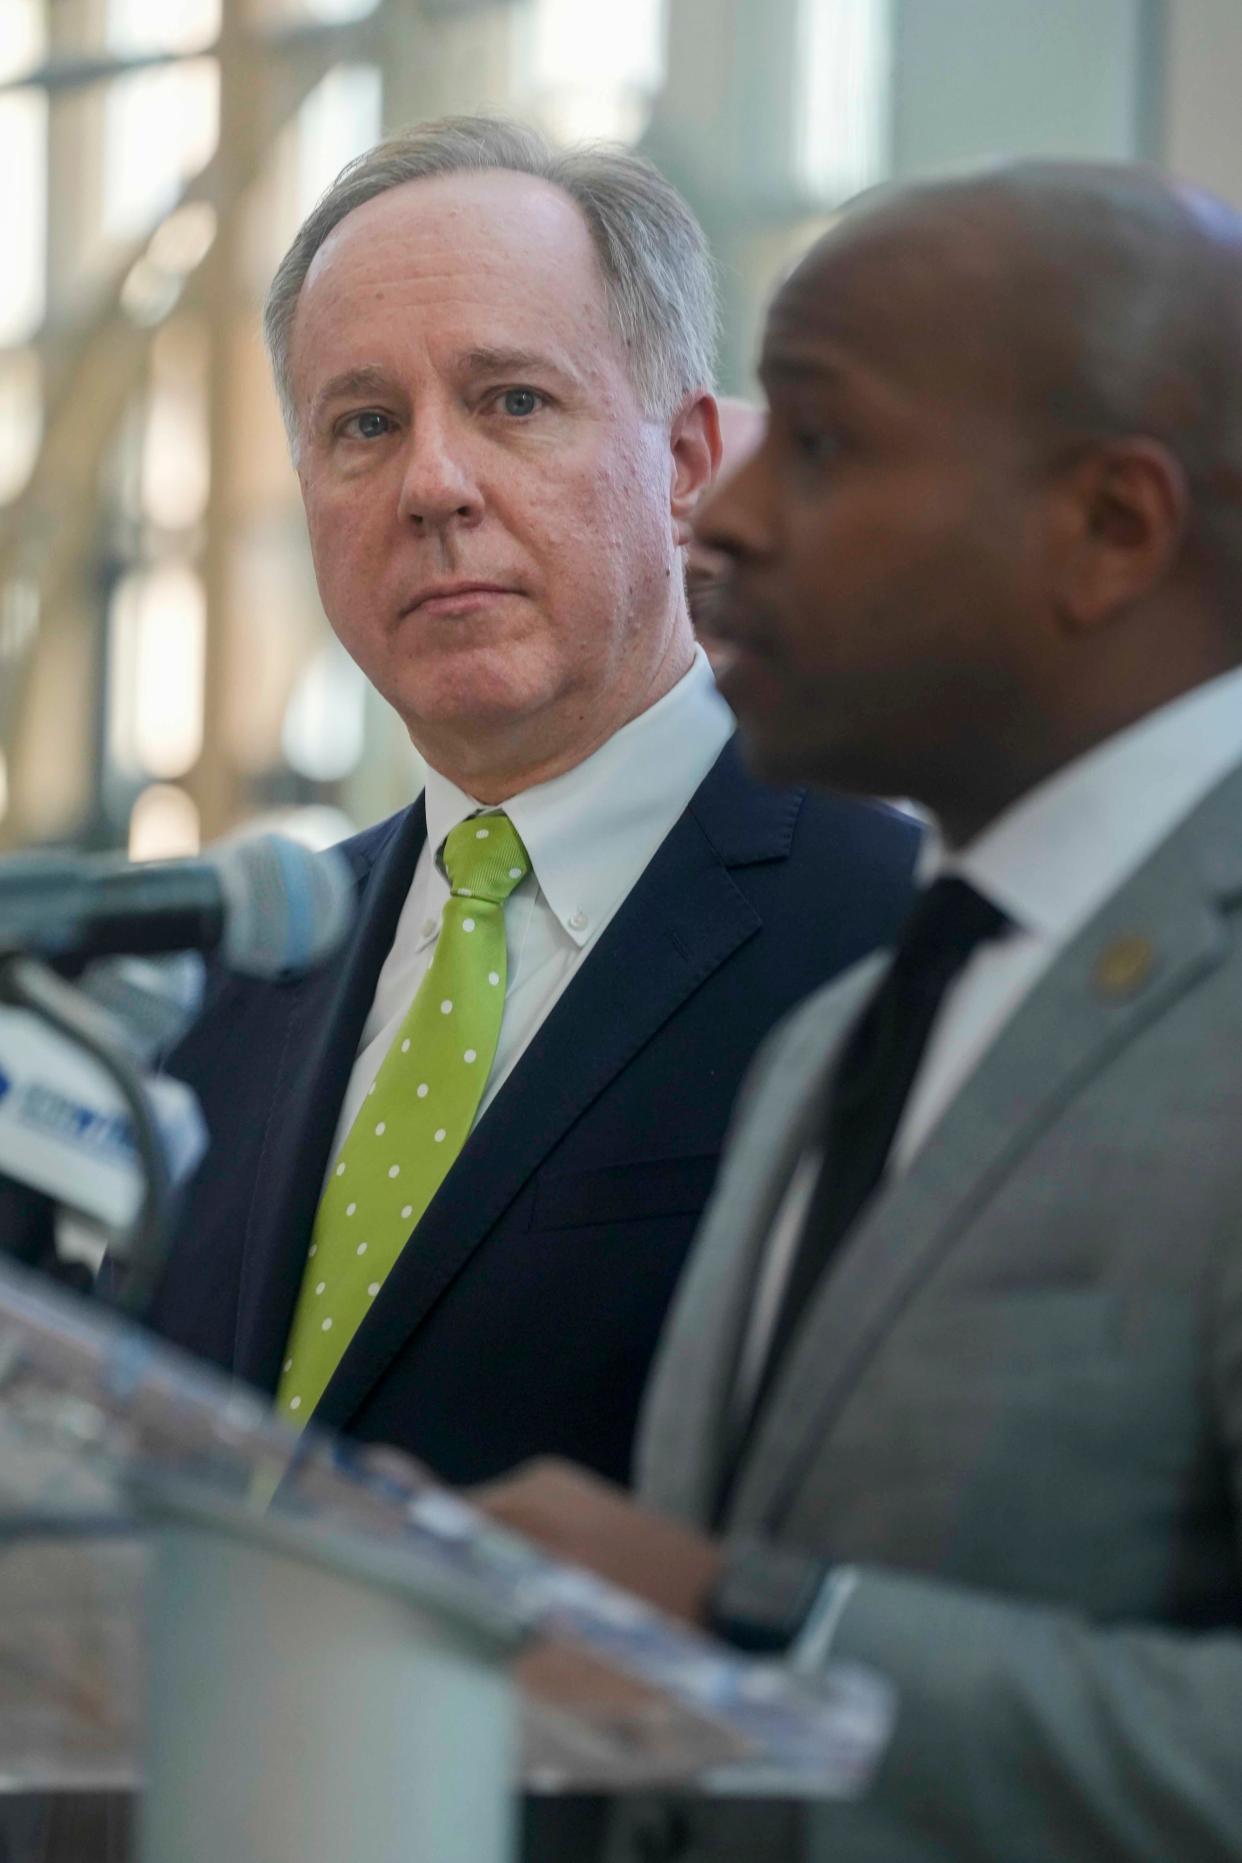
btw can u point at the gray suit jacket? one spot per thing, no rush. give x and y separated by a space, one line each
1016 1405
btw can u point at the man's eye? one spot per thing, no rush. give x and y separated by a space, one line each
369 425
814 445
521 402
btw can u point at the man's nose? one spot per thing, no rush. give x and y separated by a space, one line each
440 487
732 519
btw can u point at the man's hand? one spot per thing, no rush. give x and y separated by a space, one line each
588 1522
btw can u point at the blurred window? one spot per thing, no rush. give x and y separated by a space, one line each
23 213
331 11
844 93
163 824
318 12
156 662
339 119
324 732
176 468
594 71
22 36
161 25
160 128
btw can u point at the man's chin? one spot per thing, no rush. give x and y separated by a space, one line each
467 728
481 692
780 758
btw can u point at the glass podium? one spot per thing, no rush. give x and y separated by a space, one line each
280 1647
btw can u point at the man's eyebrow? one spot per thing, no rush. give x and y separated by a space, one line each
370 379
488 361
798 370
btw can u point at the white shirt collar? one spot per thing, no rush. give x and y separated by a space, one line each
591 831
1055 856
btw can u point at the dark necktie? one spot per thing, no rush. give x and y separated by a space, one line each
872 1082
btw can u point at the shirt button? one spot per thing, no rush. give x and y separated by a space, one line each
429 926
578 921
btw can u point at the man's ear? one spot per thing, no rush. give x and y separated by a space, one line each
694 444
1121 512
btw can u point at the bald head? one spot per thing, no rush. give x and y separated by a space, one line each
1087 300
996 515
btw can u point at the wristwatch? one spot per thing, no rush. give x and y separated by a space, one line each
764 1595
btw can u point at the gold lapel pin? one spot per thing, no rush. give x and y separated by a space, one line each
1124 966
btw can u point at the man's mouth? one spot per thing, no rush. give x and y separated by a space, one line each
459 594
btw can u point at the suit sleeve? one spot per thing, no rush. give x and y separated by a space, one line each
1029 1733
1034 1733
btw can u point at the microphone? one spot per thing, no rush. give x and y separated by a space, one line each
152 1000
272 907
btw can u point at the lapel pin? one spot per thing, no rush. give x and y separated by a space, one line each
1123 967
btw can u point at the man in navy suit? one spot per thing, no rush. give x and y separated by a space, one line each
495 364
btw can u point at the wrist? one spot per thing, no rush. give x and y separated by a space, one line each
763 1595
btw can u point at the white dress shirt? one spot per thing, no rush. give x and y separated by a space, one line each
1053 859
1050 862
589 834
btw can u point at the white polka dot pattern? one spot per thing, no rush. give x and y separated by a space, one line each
397 1155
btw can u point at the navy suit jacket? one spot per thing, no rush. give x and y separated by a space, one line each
522 1317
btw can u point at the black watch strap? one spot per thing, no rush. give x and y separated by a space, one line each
764 1595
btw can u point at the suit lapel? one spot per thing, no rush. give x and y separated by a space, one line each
686 1433
1072 1025
324 1016
682 920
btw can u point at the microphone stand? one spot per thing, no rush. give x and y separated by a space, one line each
28 983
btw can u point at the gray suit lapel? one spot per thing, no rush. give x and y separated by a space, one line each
1083 1012
683 1432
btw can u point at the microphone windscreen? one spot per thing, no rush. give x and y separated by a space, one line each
287 907
153 1000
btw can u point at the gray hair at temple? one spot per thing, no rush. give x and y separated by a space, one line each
658 273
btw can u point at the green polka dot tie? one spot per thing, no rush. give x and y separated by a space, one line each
417 1114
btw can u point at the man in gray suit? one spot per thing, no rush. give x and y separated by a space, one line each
953 1386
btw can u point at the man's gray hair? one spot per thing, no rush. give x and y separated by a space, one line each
658 273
